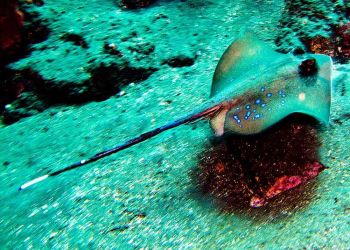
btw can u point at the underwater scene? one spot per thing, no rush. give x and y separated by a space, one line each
174 124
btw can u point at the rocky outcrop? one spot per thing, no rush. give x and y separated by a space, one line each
30 86
19 29
26 92
317 26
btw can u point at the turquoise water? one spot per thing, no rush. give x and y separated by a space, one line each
106 74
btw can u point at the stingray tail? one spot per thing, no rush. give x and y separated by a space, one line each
205 113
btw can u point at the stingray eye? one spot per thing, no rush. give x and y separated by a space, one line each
308 67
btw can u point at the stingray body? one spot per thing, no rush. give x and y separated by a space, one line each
260 87
253 88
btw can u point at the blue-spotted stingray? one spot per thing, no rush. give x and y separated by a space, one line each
253 88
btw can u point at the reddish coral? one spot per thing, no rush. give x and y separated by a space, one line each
321 45
338 46
286 183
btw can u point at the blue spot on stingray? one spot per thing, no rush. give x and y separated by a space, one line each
258 101
281 93
262 89
247 107
257 116
246 117
236 118
254 110
263 105
269 95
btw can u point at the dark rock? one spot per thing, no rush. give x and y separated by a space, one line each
11 86
135 4
130 36
119 228
112 49
18 91
37 2
107 80
11 24
34 30
26 105
76 39
298 51
18 96
6 163
28 93
179 61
